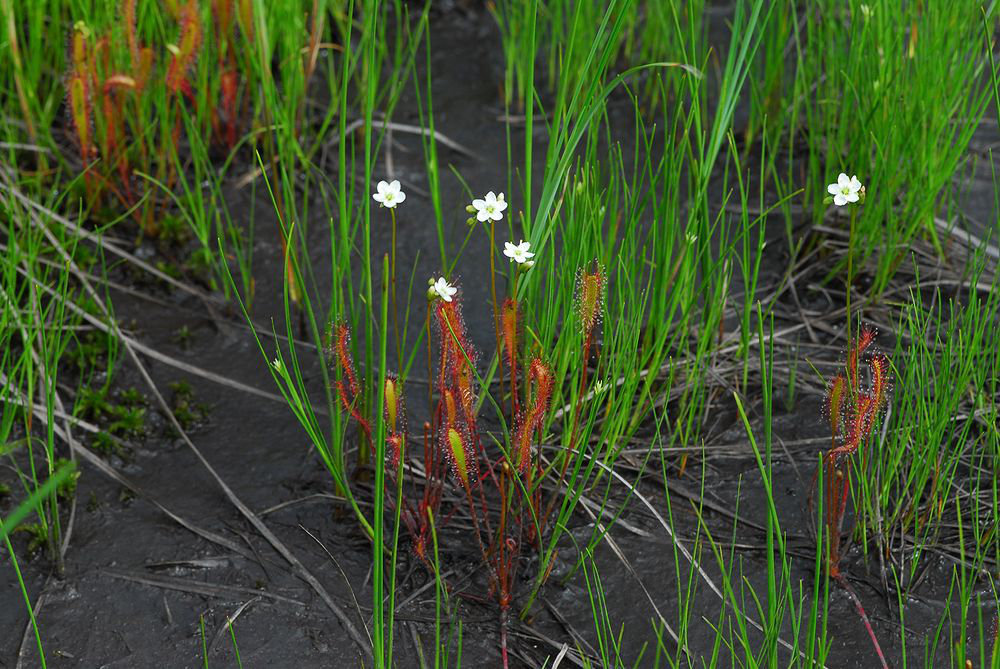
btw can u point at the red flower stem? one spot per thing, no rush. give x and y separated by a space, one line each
864 618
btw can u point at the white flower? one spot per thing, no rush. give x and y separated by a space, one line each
276 363
389 194
489 208
444 289
845 190
519 253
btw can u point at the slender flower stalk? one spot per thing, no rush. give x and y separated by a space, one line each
389 195
392 280
847 191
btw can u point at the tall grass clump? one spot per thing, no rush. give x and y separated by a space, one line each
867 95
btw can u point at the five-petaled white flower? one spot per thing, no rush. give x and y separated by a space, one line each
489 208
444 289
388 194
519 253
845 190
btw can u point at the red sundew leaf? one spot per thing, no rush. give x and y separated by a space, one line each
118 81
349 406
866 338
879 365
395 444
508 320
393 403
522 443
451 329
854 353
859 423
186 50
541 375
833 406
589 297
460 455
450 408
79 53
463 382
79 105
128 18
144 67
341 347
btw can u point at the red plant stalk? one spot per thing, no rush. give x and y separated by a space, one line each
852 411
349 394
78 91
509 323
186 51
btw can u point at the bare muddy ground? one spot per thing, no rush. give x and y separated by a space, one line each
137 583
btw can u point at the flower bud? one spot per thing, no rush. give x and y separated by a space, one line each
469 208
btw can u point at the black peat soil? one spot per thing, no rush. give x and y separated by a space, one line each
138 585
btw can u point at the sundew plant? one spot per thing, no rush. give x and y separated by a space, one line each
391 333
